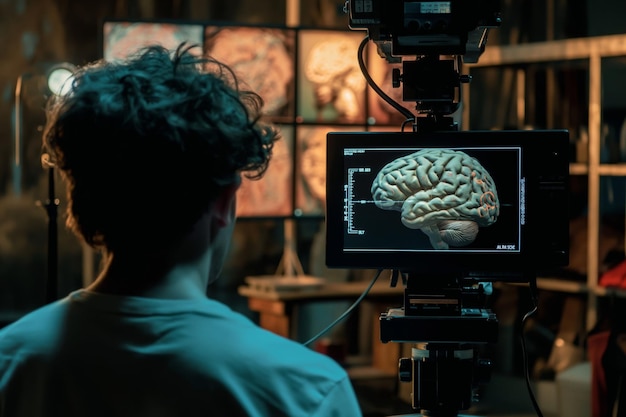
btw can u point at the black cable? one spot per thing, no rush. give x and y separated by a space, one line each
534 296
347 312
459 66
406 122
405 112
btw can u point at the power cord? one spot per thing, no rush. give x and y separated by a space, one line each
403 110
347 312
534 296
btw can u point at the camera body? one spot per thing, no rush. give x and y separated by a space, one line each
406 27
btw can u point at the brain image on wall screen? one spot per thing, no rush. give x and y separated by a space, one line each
331 84
124 38
311 169
272 195
263 58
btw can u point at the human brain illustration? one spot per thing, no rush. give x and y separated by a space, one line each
445 193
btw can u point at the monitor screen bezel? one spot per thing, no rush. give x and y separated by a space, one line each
544 162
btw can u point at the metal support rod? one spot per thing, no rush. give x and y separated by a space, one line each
290 263
17 137
51 206
293 12
595 127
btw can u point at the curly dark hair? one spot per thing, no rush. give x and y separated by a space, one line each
146 144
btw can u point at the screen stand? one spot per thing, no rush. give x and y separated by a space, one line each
445 319
289 274
290 264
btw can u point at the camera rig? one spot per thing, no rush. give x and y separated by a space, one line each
444 316
440 35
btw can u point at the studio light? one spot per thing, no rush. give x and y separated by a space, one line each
59 78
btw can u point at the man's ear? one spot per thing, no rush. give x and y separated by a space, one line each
224 205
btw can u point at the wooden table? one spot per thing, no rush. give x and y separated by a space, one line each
277 311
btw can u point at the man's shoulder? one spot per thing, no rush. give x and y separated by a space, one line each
218 330
281 356
35 328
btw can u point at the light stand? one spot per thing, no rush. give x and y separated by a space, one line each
51 207
18 135
58 82
289 274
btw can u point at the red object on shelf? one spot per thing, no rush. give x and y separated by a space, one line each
614 277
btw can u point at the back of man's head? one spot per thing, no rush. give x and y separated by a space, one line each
146 144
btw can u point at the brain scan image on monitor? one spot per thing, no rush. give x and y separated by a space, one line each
445 193
430 198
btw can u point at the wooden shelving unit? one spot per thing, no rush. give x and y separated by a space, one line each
592 50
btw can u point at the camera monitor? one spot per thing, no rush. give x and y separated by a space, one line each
473 202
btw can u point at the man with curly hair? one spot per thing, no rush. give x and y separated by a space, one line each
152 150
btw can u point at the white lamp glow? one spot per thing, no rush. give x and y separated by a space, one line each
60 78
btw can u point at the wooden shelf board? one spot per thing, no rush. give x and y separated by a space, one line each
550 51
554 284
616 170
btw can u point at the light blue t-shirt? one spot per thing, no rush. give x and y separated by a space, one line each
92 354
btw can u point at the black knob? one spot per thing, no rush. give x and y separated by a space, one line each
483 370
395 77
405 369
